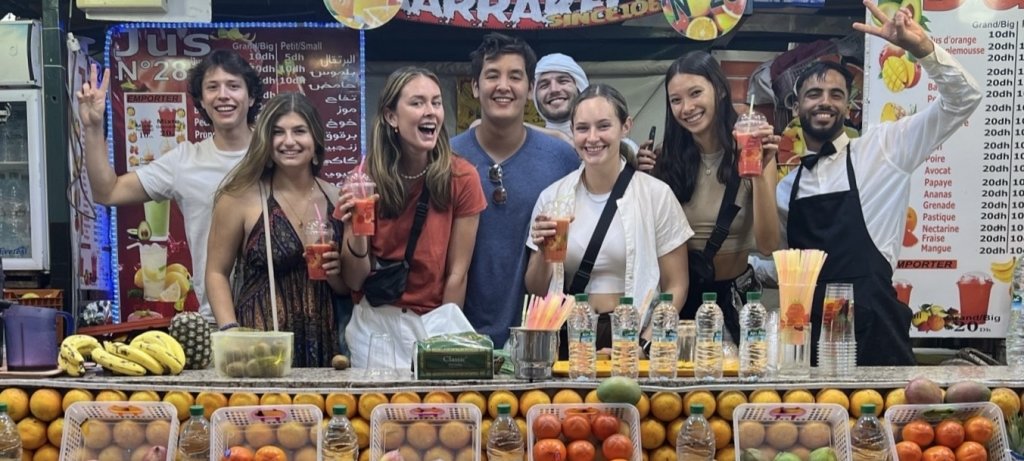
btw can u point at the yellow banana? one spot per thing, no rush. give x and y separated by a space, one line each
134 354
163 355
83 343
1005 266
71 370
117 364
166 340
71 355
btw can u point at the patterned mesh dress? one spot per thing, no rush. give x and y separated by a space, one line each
304 306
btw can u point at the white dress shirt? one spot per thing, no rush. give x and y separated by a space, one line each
886 155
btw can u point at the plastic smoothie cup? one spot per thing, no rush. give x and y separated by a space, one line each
750 163
556 246
318 242
364 216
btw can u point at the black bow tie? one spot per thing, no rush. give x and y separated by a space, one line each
809 161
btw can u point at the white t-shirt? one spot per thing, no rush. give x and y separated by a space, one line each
609 272
190 175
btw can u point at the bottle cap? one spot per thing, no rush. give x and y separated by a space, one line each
339 410
753 296
709 297
626 300
3 407
696 408
196 410
582 298
867 409
667 297
504 409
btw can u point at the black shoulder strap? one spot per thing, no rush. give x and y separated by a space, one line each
422 206
582 277
726 214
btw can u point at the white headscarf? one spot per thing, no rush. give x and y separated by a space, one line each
558 62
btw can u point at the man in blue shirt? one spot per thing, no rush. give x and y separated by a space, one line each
515 164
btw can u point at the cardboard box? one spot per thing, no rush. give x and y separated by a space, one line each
461 356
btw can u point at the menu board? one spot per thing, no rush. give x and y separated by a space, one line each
965 222
151 112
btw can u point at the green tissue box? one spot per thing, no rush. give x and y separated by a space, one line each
457 356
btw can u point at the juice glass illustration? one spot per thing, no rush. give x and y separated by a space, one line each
556 246
153 259
364 217
167 119
750 164
157 216
318 241
903 289
975 289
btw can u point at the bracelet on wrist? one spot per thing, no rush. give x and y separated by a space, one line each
354 253
228 326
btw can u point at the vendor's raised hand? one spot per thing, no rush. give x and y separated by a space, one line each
900 30
646 157
542 228
92 98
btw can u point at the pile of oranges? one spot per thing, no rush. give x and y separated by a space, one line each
949 440
579 435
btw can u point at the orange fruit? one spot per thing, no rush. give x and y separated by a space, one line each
270 453
547 426
454 435
938 453
908 451
549 450
17 402
919 432
971 451
45 404
421 435
260 434
604 426
949 433
978 429
238 453
576 427
158 432
617 446
292 435
581 450
32 432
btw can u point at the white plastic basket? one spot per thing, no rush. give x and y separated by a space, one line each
834 415
625 412
408 413
78 413
899 415
273 415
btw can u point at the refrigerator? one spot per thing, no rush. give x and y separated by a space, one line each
24 243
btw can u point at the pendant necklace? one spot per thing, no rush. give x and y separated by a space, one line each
716 159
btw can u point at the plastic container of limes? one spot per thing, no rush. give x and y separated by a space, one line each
430 431
117 430
252 354
783 427
294 429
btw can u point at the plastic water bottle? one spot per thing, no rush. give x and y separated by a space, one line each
867 439
582 340
10 440
753 344
707 356
504 441
625 345
664 339
695 441
1015 329
194 438
340 440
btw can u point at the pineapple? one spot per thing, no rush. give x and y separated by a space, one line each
193 332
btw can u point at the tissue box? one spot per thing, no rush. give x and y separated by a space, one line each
457 356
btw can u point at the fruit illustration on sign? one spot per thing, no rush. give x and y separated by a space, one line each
942 5
703 19
1001 4
1003 270
899 73
909 239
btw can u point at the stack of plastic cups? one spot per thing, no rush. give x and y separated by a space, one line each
837 346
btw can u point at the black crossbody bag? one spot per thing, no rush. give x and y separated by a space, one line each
702 262
582 277
386 283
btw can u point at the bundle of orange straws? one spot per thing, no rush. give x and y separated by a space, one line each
547 313
798 275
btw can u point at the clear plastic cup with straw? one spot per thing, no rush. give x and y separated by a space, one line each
750 158
318 241
362 187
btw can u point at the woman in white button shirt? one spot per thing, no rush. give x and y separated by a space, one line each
644 250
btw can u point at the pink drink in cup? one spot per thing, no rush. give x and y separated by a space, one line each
318 242
750 163
364 216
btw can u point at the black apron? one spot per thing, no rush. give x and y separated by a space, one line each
834 223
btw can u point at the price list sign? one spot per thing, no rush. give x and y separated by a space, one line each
965 221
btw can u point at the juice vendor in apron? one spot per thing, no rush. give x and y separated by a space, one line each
850 196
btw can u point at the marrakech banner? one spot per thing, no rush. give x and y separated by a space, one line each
526 14
151 112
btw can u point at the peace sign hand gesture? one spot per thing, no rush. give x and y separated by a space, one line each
92 98
900 30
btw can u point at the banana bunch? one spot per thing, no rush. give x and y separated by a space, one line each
153 352
74 351
1003 271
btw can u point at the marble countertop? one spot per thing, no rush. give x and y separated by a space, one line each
325 380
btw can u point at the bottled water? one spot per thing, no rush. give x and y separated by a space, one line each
504 441
753 353
1015 329
10 440
194 438
708 359
664 339
625 346
582 340
695 441
772 341
340 440
867 439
